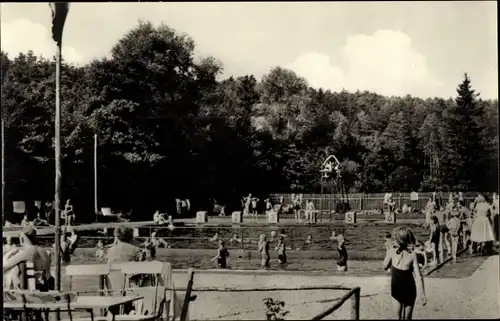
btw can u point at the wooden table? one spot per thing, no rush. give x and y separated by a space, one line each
88 303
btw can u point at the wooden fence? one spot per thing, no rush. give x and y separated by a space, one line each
360 201
354 294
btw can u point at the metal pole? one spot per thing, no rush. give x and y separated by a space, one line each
95 176
3 170
58 169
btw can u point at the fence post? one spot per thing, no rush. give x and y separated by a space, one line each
187 297
101 291
24 286
355 304
360 202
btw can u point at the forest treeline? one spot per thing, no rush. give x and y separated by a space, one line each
168 127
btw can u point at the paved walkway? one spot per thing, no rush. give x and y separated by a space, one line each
476 296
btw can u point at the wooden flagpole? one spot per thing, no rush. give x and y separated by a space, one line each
95 176
59 13
57 206
3 170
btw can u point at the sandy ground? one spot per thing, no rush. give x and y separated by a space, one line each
476 296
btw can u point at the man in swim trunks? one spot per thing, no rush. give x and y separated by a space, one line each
29 252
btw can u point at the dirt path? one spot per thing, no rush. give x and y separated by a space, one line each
476 296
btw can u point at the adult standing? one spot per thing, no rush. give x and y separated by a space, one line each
482 229
247 202
69 214
310 211
123 250
269 205
48 209
414 200
496 215
461 198
297 202
255 203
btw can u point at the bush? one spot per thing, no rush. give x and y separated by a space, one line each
275 309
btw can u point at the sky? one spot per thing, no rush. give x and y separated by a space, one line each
393 48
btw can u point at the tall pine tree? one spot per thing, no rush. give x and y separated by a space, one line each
465 149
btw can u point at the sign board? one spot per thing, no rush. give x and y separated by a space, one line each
136 232
19 207
201 217
272 217
390 218
350 217
237 217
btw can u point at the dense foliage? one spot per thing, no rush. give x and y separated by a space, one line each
168 128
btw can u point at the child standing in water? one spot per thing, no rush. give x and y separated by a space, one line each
222 255
264 251
281 251
153 243
99 253
342 261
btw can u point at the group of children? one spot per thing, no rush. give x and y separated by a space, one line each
454 221
264 246
250 206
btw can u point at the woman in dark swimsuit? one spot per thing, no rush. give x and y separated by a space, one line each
404 271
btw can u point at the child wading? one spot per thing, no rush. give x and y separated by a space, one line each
100 253
153 243
222 255
264 251
281 251
342 261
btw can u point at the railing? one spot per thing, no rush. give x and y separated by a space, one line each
360 201
355 293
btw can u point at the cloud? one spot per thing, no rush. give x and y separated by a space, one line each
384 62
22 35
